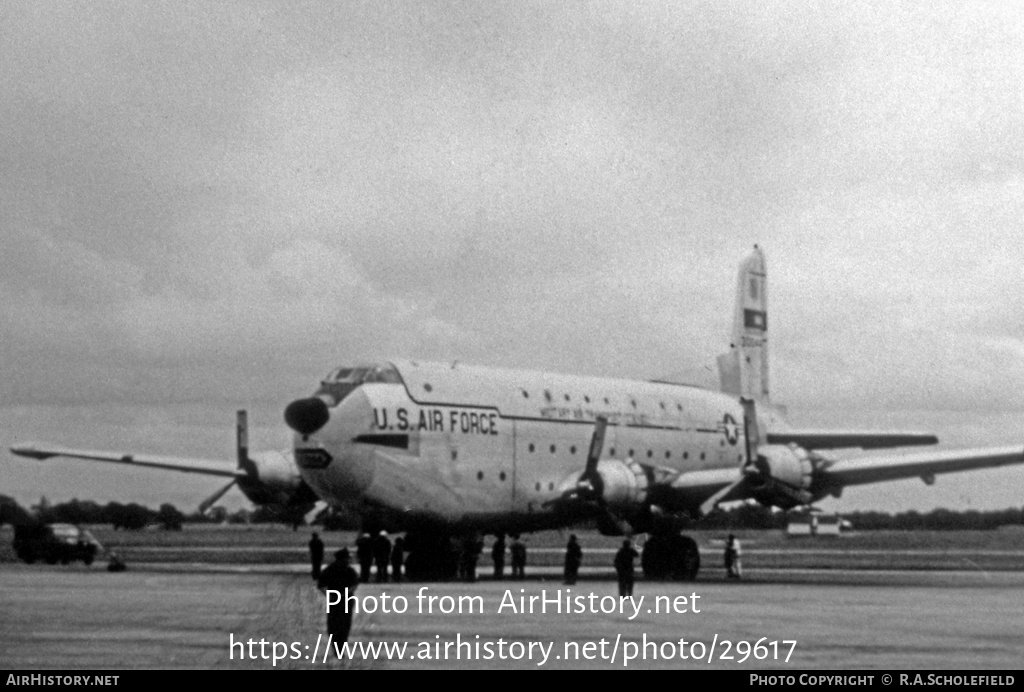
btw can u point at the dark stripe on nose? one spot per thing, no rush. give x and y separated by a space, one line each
306 416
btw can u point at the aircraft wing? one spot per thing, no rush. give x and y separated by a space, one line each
838 439
704 489
206 467
889 467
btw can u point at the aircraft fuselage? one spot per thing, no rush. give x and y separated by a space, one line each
491 449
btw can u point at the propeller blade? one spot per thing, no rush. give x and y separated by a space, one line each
242 437
590 480
318 508
710 503
748 472
208 502
596 444
242 444
608 524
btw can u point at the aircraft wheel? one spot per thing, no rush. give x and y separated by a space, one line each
685 558
670 556
430 558
654 558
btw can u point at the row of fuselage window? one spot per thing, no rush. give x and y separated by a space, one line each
548 397
650 452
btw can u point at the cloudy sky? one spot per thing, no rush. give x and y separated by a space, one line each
207 206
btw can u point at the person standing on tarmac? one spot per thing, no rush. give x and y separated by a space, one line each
397 559
472 546
364 553
518 558
573 558
733 569
498 555
382 555
316 554
338 576
624 567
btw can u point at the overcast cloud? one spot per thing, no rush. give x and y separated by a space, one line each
209 205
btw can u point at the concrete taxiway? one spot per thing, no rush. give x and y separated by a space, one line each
179 617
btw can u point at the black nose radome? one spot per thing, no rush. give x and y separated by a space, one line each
306 416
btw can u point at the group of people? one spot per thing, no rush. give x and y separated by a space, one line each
517 553
368 550
379 550
339 575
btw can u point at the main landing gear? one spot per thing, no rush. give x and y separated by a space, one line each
670 555
431 557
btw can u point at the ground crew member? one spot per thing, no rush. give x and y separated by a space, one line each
471 549
364 553
498 555
338 577
573 558
382 554
397 559
316 554
518 558
733 569
624 567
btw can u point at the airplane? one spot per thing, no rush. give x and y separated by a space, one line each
445 451
268 479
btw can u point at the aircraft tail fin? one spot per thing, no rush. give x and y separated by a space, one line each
743 370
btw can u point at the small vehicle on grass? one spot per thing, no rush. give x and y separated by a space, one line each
53 543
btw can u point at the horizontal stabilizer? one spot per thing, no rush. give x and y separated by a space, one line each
876 468
865 439
206 467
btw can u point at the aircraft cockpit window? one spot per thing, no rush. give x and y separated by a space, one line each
342 381
383 373
340 375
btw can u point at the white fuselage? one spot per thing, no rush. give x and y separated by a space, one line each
474 447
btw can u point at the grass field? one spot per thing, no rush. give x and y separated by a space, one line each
271 544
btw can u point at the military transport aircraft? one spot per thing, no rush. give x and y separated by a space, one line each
444 450
269 478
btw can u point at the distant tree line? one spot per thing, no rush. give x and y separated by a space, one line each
936 520
133 516
750 515
755 516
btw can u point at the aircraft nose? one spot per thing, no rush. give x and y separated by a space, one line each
306 416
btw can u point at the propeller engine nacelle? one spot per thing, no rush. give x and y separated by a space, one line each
621 486
273 478
782 475
624 484
277 470
612 490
